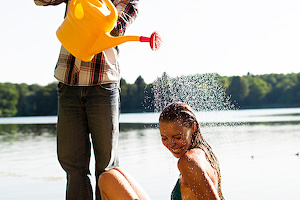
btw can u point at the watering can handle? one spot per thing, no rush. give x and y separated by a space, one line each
113 11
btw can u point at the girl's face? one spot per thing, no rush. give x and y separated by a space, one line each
176 137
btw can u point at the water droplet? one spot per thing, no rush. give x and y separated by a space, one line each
203 92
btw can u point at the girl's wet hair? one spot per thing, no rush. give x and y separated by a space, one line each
178 112
183 114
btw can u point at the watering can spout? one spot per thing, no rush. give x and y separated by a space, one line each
106 41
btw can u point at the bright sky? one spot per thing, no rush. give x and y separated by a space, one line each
229 37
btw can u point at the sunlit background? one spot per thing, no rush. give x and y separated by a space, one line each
229 37
259 155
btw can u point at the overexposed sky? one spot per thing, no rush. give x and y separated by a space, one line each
228 37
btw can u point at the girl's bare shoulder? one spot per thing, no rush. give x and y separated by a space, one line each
194 159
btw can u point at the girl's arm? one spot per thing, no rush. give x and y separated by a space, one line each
194 174
48 2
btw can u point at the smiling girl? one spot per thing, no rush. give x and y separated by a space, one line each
200 176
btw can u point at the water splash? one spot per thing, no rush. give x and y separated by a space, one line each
203 92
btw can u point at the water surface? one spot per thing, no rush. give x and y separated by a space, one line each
256 149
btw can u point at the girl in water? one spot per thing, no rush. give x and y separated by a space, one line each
200 176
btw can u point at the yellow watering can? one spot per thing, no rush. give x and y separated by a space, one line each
86 29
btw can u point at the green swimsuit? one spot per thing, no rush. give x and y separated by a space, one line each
176 194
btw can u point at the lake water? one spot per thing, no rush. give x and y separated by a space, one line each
258 151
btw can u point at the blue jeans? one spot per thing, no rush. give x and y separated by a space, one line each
84 112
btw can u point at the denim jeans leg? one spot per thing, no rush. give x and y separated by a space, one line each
73 143
102 110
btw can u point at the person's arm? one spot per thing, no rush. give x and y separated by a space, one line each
48 2
194 174
127 13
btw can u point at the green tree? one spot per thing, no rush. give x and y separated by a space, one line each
30 100
238 90
23 92
255 91
40 100
125 99
46 100
140 93
292 94
132 95
8 99
281 94
258 90
149 98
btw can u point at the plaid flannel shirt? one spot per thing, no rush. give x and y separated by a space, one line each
104 67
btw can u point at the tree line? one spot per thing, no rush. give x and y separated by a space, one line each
264 91
249 91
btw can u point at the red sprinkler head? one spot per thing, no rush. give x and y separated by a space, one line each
154 40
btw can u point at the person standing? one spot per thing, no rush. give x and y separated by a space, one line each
88 107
